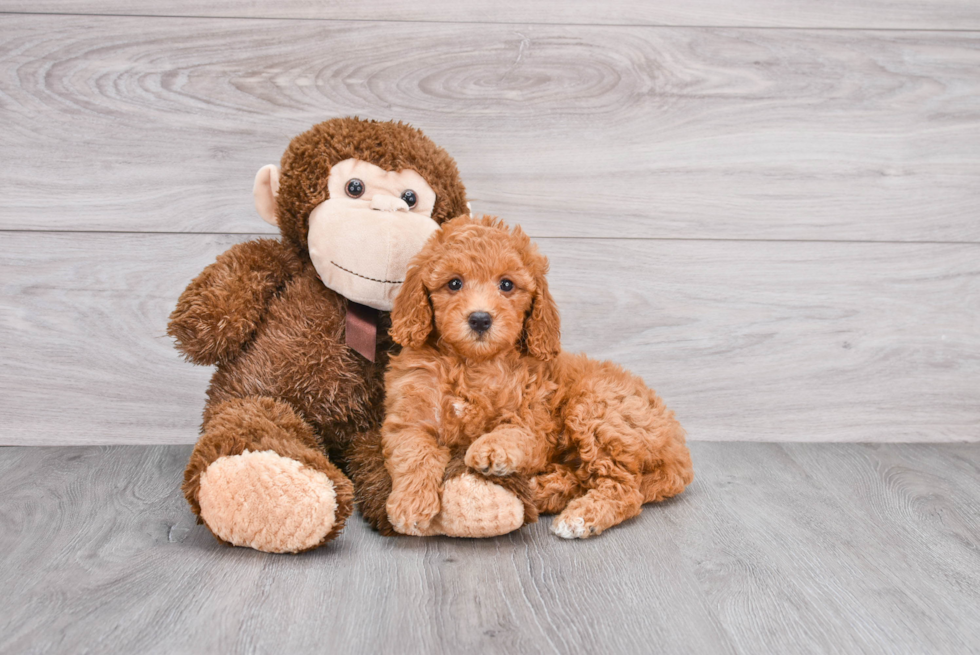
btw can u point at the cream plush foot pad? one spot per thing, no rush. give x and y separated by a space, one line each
267 502
475 507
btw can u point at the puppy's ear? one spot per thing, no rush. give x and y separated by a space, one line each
542 327
411 317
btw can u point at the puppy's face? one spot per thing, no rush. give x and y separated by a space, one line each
480 303
482 287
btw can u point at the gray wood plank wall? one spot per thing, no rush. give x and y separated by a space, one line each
893 14
778 227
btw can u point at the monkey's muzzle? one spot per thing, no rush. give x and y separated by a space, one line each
363 253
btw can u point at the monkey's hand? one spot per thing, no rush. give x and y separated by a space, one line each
219 310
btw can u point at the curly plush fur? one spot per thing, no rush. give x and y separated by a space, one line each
286 383
596 440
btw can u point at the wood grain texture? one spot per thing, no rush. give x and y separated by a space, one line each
775 548
159 124
783 537
746 340
891 14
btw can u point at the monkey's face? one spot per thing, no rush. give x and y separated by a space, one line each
361 239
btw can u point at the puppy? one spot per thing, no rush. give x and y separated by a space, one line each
481 368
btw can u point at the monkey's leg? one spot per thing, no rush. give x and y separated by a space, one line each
372 483
472 506
258 478
477 506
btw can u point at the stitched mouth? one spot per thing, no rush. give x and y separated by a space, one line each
365 277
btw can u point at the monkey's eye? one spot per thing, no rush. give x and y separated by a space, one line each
410 198
355 188
506 285
455 284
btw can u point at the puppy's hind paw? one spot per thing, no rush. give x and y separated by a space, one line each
571 527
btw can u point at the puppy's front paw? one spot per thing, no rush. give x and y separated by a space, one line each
412 508
496 453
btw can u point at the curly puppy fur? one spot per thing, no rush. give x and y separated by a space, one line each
285 380
598 442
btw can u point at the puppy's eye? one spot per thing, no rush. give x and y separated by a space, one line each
506 285
410 198
355 188
455 284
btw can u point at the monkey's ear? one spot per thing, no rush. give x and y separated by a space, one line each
411 317
265 190
542 327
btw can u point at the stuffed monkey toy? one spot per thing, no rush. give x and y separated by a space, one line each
297 328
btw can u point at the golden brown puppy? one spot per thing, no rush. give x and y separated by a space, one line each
482 367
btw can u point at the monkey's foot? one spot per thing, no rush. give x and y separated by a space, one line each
475 507
267 502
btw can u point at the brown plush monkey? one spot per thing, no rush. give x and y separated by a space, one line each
297 328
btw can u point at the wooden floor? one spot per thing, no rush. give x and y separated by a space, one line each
779 548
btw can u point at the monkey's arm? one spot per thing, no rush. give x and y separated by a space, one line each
219 310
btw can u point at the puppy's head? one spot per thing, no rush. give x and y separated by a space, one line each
479 288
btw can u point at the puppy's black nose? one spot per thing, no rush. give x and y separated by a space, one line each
480 321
